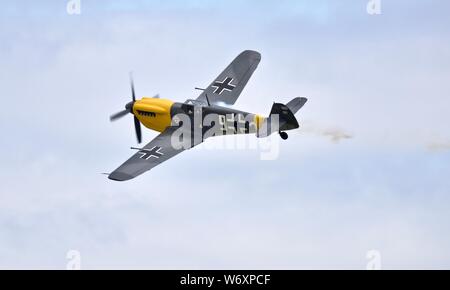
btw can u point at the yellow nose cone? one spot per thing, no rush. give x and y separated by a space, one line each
153 113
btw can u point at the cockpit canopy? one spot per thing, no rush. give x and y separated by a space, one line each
196 102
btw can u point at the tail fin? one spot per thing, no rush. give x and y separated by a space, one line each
286 118
284 114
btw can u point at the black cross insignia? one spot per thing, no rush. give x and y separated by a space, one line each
223 86
154 152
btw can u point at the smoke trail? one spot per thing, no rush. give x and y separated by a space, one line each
334 134
438 146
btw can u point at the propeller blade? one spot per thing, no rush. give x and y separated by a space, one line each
129 109
156 96
118 115
137 127
133 95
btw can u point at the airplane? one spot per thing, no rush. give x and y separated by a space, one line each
185 125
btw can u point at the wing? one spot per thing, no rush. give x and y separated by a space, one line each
155 152
229 84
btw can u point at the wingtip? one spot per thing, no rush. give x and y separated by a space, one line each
120 176
251 53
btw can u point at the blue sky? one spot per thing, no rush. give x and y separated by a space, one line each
380 79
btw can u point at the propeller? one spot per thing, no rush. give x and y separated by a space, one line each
118 115
129 109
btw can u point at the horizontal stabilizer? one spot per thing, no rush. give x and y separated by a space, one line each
295 104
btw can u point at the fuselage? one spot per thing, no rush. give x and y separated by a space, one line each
158 114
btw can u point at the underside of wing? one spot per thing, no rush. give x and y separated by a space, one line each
227 87
155 152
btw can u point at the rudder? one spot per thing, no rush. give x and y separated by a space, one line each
284 114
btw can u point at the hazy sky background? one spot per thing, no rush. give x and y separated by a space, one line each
382 80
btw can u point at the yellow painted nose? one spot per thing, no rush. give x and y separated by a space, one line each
153 113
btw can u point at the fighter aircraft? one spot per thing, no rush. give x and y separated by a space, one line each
185 125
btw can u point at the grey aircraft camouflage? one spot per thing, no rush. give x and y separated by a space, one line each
185 125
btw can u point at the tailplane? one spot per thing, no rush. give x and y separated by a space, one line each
295 104
281 118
